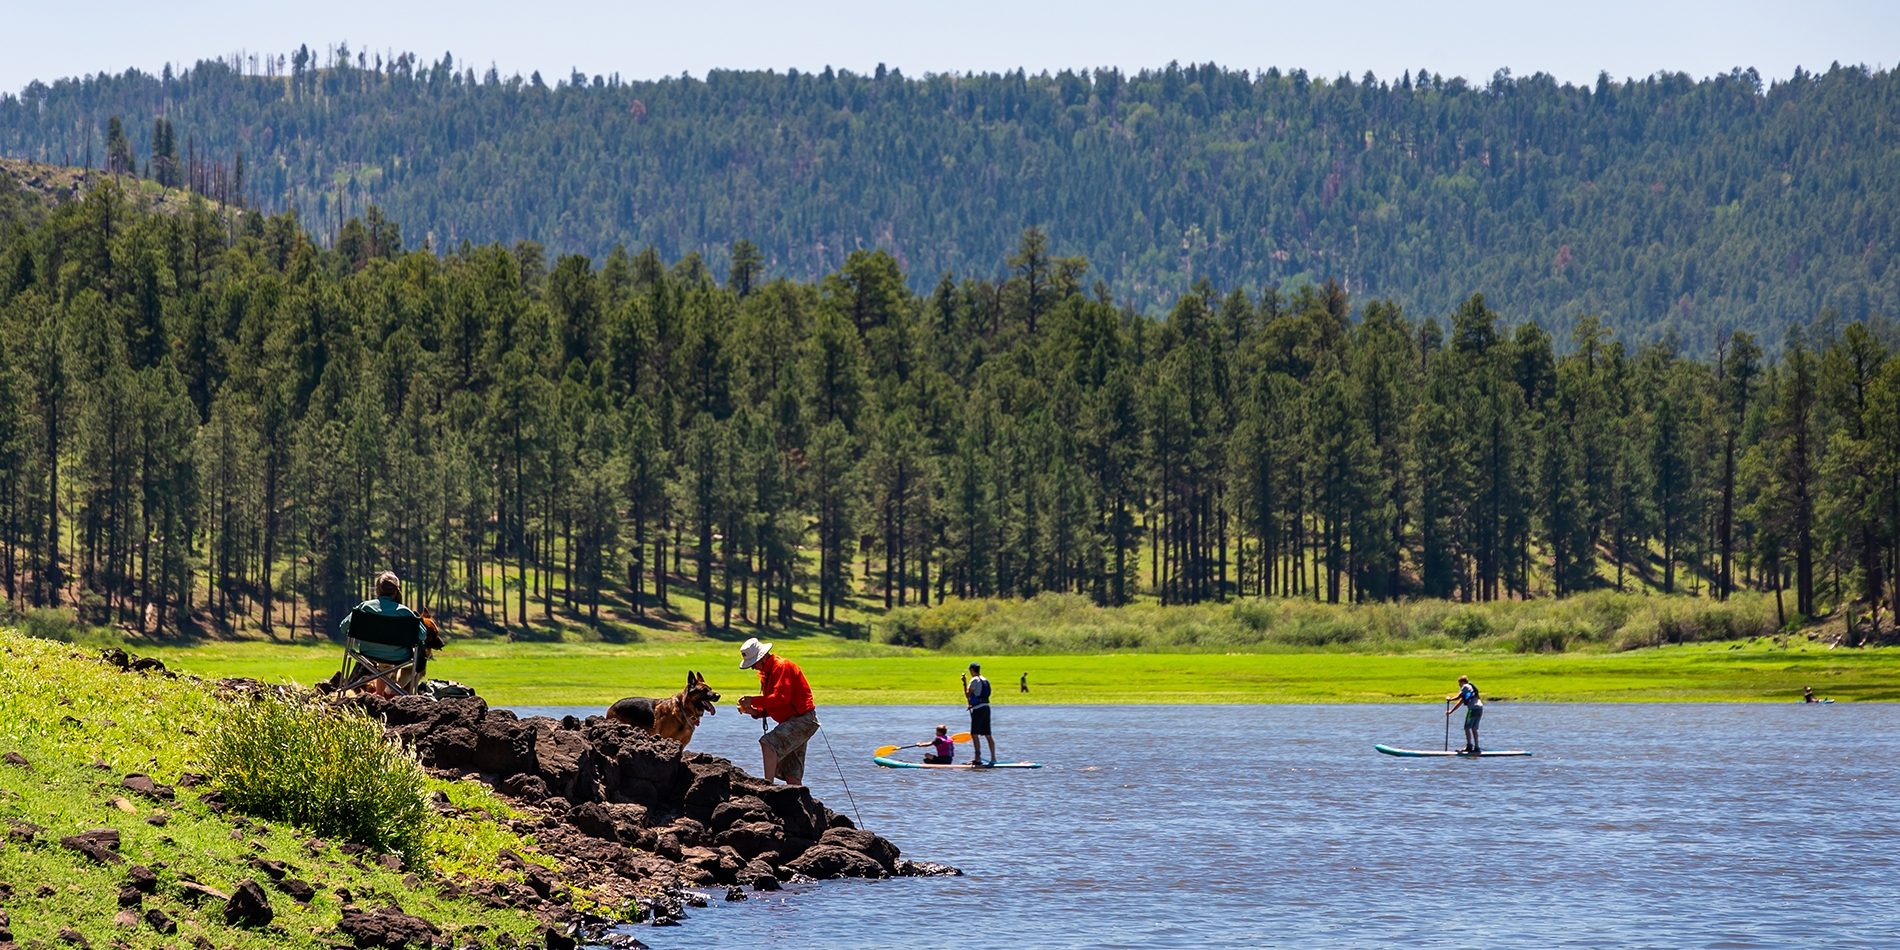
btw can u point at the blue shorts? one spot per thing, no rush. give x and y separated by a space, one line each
1472 715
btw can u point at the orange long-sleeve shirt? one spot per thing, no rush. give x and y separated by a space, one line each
784 693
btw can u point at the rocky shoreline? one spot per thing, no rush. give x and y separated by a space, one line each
640 828
634 820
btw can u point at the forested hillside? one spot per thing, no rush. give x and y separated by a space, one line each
209 420
1664 205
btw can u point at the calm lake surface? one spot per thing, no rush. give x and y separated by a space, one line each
1248 826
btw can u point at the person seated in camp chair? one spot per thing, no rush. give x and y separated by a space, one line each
385 643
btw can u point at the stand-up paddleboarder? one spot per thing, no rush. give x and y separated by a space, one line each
976 695
1474 710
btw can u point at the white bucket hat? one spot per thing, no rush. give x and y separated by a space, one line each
751 652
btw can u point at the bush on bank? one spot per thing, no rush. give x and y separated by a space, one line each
326 768
1068 623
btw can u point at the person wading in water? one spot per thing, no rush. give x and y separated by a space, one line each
1474 710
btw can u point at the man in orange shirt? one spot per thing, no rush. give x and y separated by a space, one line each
786 697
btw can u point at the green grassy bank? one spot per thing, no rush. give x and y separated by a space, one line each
1601 646
854 672
78 727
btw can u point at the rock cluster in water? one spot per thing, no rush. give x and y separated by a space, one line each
633 817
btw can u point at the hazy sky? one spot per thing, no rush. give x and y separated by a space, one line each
1571 40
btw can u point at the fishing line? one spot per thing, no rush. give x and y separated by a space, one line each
847 785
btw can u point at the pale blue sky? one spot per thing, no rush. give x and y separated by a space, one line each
1572 40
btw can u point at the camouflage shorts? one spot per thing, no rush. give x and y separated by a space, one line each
788 739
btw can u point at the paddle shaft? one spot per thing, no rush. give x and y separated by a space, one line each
888 749
1447 725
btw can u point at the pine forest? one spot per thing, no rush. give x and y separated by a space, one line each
210 419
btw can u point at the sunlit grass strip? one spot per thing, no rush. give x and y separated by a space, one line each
855 672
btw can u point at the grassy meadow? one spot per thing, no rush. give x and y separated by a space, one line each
79 727
1596 647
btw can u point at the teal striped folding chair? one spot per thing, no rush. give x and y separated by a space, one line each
382 648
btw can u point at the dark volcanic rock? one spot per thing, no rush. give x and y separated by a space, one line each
689 833
388 927
248 907
742 808
609 821
926 869
146 664
828 861
141 877
161 921
753 838
99 844
759 875
794 807
666 909
527 787
143 785
626 814
298 890
863 842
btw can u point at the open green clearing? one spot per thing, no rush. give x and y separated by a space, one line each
854 672
1600 646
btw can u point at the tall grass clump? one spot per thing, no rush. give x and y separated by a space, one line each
1667 622
1071 623
328 769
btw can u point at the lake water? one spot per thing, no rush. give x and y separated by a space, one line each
1248 826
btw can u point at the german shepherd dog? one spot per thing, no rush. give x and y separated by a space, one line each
672 718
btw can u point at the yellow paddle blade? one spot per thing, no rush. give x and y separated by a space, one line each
888 749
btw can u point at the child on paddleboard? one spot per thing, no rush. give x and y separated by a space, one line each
942 750
1474 710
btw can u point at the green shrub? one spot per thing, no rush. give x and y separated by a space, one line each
1254 614
1543 636
329 769
1466 625
912 628
1323 631
51 623
931 627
